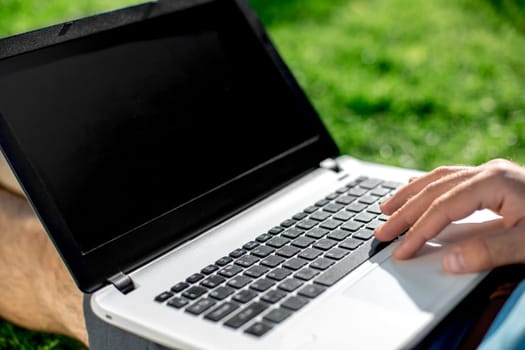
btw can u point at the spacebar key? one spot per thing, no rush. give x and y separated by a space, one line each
350 263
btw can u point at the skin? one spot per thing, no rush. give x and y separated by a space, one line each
428 204
37 292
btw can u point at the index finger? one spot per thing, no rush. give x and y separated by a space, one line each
456 204
395 202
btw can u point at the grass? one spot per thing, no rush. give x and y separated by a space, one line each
410 83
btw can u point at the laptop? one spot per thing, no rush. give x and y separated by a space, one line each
190 186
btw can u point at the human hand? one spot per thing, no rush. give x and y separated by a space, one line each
431 202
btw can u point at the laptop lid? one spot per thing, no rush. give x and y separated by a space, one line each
136 130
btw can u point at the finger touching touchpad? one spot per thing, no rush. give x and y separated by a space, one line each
409 285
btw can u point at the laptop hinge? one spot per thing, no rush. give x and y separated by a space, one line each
122 282
330 164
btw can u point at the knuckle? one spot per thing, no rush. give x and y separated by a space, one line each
500 167
444 170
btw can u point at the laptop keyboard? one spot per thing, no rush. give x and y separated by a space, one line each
259 285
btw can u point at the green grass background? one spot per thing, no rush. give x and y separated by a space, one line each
410 83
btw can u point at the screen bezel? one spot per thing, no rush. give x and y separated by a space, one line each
92 269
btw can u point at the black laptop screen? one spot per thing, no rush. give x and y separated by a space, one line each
125 126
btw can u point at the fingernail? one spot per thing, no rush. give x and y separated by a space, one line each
454 261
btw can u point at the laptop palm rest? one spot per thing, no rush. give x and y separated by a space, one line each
392 299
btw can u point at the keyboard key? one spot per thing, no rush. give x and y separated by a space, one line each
311 209
374 224
306 274
263 237
339 235
263 251
209 269
288 223
352 226
311 291
364 234
322 263
250 245
256 271
356 191
237 253
337 253
380 192
262 285
279 273
244 296
344 215
345 200
273 296
292 233
370 183
221 293
178 302
322 202
303 242
317 232
275 230
333 207
225 260
272 261
342 190
364 217
295 263
162 297
351 243
277 315
212 281
356 207
245 315
320 215
258 329
310 253
230 271
200 306
277 242
391 184
294 303
374 209
299 216
194 292
330 224
179 287
368 199
221 311
195 278
382 217
239 281
325 244
306 224
332 196
288 251
290 284
246 260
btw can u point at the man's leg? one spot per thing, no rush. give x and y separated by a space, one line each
37 292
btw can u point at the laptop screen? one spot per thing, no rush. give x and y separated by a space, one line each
135 137
128 125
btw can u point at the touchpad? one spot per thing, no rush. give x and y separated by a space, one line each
409 285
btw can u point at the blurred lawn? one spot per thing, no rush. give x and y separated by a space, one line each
410 83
